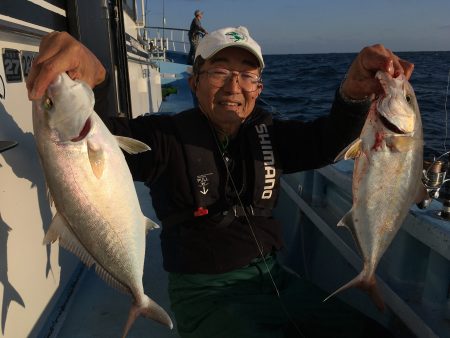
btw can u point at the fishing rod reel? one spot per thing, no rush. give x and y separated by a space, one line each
434 179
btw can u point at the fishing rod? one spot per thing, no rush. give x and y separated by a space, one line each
435 173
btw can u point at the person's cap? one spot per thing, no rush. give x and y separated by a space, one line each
198 12
214 42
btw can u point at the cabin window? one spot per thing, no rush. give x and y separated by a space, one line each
130 7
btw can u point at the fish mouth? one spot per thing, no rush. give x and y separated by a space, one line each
84 131
392 127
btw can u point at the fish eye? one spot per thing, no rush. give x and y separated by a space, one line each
408 98
48 103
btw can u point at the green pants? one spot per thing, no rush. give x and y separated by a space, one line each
244 304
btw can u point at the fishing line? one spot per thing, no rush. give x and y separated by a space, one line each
258 245
250 224
446 114
428 182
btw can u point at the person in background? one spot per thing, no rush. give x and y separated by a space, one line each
196 31
214 177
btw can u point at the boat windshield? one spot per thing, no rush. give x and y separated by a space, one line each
130 7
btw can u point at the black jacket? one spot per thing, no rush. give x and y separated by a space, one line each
195 29
204 244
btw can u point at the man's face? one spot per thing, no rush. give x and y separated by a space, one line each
227 107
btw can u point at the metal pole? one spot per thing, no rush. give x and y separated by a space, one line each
164 20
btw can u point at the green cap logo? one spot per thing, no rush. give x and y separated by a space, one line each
236 37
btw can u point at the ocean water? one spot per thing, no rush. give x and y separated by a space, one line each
302 86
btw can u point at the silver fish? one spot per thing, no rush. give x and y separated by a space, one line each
386 176
98 213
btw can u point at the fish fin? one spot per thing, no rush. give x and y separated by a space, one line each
347 221
150 309
50 198
401 143
96 158
54 230
49 195
366 284
59 228
353 150
150 225
376 297
110 280
131 146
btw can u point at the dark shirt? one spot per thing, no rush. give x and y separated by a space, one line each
200 246
196 28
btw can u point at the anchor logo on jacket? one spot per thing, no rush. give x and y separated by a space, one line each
203 182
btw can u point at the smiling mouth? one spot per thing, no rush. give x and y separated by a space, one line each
230 104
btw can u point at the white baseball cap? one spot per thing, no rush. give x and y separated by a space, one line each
214 42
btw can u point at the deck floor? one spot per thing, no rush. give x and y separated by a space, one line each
97 310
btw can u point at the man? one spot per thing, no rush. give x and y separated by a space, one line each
213 174
196 31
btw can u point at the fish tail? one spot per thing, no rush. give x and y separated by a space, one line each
353 283
375 294
367 284
147 308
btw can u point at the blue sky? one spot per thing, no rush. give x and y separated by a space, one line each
319 26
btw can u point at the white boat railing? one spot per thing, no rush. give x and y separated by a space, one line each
167 39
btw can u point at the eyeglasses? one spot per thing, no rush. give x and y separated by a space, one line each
217 77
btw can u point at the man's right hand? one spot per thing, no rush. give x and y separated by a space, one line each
60 52
361 82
